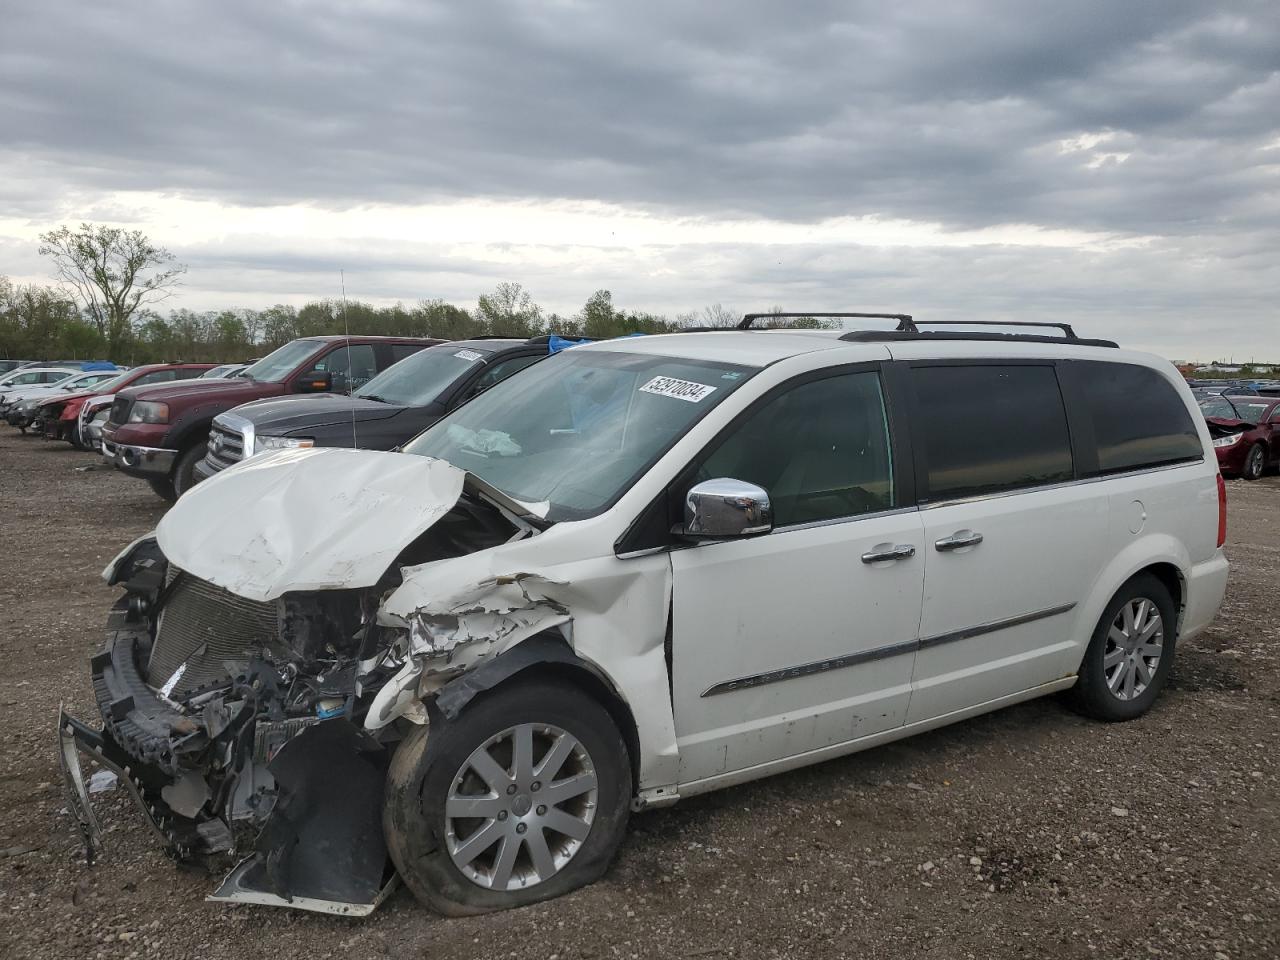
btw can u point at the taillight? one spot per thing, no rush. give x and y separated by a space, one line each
1222 511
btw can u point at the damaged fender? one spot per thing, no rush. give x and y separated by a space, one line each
465 611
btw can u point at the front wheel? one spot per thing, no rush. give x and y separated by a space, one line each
1131 653
162 487
1255 462
184 471
522 797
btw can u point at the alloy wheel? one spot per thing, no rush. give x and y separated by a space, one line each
1253 469
1135 644
520 807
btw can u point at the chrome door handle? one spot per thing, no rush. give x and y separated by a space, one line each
900 551
964 538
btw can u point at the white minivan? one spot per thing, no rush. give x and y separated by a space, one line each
639 571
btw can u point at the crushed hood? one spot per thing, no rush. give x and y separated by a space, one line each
317 519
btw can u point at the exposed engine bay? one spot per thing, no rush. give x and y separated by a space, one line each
240 724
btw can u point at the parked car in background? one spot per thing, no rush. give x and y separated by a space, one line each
1246 433
34 377
8 365
393 407
1203 389
643 570
57 418
160 433
18 406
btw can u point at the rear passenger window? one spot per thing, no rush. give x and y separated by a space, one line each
988 429
820 449
1138 418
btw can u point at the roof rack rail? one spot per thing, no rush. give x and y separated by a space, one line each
907 330
904 320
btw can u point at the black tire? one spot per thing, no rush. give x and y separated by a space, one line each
74 437
162 487
1092 695
427 762
1255 462
184 471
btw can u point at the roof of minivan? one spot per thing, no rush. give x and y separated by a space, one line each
760 348
753 348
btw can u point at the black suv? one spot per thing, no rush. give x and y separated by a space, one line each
393 407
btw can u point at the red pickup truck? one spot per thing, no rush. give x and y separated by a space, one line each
159 433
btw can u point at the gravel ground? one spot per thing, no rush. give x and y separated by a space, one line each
1029 832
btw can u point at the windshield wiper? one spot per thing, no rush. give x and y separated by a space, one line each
372 396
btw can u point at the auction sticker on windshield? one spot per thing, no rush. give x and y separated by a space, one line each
468 355
680 389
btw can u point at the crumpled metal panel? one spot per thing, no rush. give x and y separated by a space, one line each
317 519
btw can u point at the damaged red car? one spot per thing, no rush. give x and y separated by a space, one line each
1246 433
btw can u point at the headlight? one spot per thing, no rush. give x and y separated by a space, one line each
26 406
261 443
149 412
1229 440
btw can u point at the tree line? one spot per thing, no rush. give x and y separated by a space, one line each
112 279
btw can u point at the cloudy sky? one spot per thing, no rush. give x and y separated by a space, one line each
1114 164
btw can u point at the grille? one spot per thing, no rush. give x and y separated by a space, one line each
120 408
202 625
226 446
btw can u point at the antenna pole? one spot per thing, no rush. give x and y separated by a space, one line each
346 332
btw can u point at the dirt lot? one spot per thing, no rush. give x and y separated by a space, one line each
1028 833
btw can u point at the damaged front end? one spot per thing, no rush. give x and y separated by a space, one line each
231 722
255 727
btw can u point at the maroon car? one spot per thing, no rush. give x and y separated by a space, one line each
1246 433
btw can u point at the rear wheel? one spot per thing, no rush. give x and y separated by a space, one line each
1131 653
522 797
184 470
1255 462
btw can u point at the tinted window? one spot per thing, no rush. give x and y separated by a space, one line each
821 450
350 366
155 376
986 429
1138 418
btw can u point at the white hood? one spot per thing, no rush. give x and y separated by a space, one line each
306 519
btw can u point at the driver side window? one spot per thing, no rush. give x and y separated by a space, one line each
821 450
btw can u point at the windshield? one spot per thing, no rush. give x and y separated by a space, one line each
418 379
86 380
115 382
1235 408
575 431
278 364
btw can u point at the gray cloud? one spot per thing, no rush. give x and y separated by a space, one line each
944 112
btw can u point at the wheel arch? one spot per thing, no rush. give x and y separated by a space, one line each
1161 555
191 434
544 655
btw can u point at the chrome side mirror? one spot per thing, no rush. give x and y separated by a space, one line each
727 508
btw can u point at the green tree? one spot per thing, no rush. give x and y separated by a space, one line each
509 312
113 273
